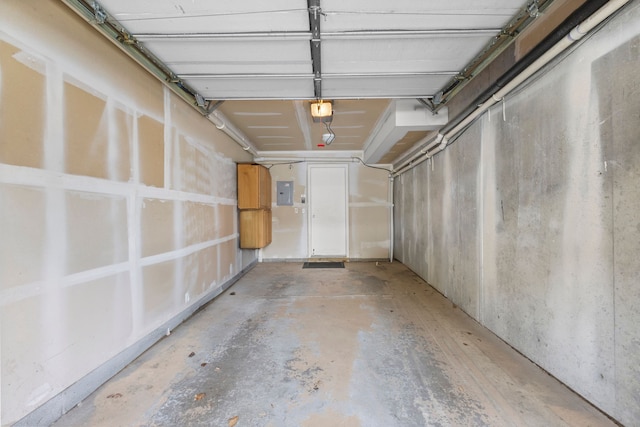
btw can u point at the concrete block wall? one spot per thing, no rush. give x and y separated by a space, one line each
117 210
529 222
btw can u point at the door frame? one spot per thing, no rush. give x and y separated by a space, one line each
311 166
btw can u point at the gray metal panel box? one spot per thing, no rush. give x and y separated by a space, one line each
285 193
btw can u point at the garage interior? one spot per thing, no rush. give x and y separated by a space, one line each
477 175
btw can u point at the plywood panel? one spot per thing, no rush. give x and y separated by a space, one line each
22 108
255 228
23 236
151 149
254 187
96 231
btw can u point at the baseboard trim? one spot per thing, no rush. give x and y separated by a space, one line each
57 406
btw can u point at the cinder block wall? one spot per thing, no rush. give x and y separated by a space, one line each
117 209
530 223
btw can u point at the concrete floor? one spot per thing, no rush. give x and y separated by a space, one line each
368 345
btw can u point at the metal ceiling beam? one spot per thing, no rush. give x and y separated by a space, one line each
306 75
305 35
315 13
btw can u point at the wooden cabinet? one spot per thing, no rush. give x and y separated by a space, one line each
255 228
254 202
254 187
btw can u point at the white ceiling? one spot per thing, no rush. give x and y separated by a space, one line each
255 52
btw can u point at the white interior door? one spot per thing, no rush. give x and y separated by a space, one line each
328 210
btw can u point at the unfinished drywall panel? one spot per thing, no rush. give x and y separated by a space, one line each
86 137
52 348
22 105
108 226
99 255
289 223
207 267
151 151
224 220
159 301
88 142
199 169
228 263
185 158
370 238
369 210
22 247
369 213
199 222
157 219
619 106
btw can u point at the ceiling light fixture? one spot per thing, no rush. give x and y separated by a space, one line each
321 111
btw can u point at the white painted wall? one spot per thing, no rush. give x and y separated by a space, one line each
531 225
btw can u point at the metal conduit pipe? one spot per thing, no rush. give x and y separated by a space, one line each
231 131
510 80
391 218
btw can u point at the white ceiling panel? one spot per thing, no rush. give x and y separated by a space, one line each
429 54
206 16
233 56
215 66
259 58
358 15
420 86
254 88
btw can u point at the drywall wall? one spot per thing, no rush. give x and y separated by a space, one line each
529 221
369 214
117 210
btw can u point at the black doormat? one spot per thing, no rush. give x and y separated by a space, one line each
323 264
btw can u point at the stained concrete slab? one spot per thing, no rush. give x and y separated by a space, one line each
368 345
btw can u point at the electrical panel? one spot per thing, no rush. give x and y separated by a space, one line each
284 193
